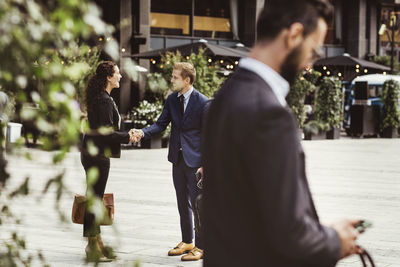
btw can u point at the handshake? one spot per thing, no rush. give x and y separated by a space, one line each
135 135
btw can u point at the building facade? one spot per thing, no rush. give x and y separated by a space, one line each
144 25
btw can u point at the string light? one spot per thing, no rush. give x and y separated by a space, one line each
357 66
339 74
90 50
123 50
62 62
324 67
209 60
108 39
365 71
357 70
328 72
384 73
236 62
168 62
100 39
221 61
187 57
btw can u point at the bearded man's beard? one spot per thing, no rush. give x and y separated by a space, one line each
292 65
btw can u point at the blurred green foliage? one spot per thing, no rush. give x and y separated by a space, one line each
304 84
45 60
390 101
329 101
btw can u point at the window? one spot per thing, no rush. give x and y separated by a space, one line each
334 34
212 19
173 17
170 17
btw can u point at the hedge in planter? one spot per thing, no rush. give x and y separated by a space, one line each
390 109
328 104
297 93
315 130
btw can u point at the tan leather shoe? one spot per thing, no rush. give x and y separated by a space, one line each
180 249
194 255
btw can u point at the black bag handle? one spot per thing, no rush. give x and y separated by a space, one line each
366 258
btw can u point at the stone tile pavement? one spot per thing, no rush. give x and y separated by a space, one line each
348 177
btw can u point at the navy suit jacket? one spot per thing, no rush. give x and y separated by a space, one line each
185 130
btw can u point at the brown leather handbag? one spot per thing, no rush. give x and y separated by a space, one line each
79 206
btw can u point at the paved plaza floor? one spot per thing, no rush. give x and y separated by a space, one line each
348 177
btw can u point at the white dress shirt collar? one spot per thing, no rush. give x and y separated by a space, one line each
278 84
186 97
187 94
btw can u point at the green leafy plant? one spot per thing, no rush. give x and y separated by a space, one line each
328 106
304 85
44 60
390 100
146 114
83 58
385 60
314 127
207 79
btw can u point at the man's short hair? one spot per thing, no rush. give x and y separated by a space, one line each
187 70
280 14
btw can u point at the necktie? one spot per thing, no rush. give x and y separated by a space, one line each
181 100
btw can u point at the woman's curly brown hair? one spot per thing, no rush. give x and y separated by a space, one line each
97 83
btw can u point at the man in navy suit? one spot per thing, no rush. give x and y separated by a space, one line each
185 109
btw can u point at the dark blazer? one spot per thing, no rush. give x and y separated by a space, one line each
105 114
258 207
185 130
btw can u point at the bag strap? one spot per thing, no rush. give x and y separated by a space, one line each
366 257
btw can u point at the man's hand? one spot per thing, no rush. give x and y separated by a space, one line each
135 135
348 236
200 170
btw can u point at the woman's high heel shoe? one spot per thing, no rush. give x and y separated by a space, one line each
93 251
107 251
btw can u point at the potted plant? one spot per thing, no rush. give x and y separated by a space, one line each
390 110
295 99
145 115
315 130
328 105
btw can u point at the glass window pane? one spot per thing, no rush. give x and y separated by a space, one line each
212 19
170 17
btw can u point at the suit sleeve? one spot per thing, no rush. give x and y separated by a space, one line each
275 169
204 116
161 124
106 120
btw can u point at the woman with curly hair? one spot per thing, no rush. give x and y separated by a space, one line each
99 147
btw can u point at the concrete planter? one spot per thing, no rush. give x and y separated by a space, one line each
13 131
318 136
333 134
154 142
389 132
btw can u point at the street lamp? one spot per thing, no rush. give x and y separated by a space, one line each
382 30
